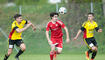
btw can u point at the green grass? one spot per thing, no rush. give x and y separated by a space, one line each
59 57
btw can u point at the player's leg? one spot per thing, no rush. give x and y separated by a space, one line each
94 49
88 42
59 46
11 45
8 54
92 45
59 50
87 53
52 52
22 46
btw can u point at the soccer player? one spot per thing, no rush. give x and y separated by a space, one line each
56 41
88 28
15 36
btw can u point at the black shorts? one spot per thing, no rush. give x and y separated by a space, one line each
13 42
90 42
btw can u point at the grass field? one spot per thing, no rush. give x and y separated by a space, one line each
59 57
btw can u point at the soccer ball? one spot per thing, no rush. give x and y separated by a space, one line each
62 10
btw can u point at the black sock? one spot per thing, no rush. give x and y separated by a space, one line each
89 51
19 53
6 57
94 54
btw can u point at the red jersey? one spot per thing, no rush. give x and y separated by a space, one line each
56 28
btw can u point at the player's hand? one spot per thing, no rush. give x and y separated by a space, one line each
50 42
34 28
29 22
67 41
75 38
100 30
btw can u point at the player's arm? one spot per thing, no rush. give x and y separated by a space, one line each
67 35
80 30
23 29
47 36
78 33
33 27
98 30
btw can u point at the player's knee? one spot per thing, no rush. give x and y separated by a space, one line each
52 49
59 52
23 48
51 52
94 48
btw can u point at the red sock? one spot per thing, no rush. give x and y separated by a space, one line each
51 55
55 52
91 59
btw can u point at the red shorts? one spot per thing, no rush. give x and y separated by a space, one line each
59 41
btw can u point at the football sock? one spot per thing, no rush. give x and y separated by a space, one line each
89 51
51 55
94 54
55 52
91 59
87 54
19 53
6 57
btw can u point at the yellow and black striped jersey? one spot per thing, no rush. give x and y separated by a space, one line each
14 35
88 28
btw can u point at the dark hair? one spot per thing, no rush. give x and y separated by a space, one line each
53 13
91 14
17 15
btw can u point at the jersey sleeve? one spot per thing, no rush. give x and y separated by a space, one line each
61 23
83 26
48 27
96 26
24 22
14 26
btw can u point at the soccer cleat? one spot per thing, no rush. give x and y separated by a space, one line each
87 55
17 58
